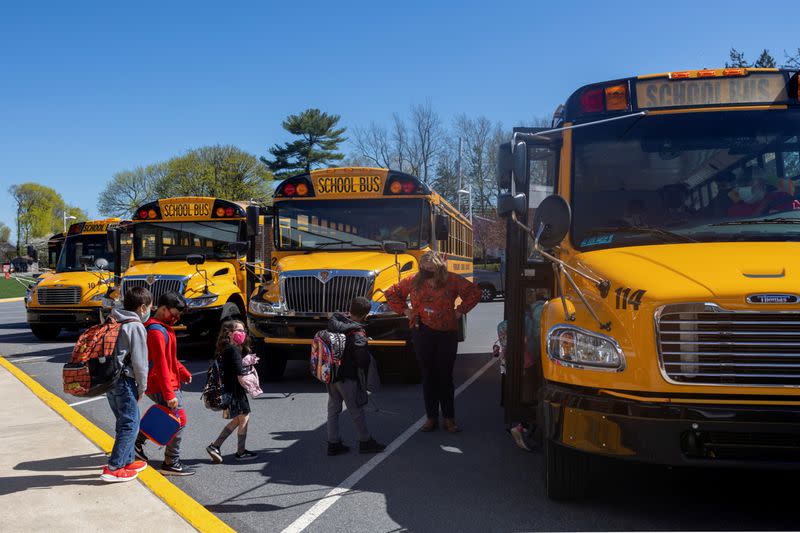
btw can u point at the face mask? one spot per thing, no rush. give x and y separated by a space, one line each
238 337
146 316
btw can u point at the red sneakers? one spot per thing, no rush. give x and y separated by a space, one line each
136 466
118 476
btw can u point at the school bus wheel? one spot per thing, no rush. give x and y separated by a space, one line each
565 472
272 363
45 332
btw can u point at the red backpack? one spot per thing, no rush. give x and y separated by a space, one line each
94 367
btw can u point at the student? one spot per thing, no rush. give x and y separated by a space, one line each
345 387
165 377
231 343
131 350
434 320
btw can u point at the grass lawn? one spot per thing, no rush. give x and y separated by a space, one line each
10 288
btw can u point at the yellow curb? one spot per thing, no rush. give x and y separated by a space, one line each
5 300
183 504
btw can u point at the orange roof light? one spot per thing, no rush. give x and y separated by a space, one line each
707 73
734 72
396 187
302 189
680 75
220 211
152 213
617 97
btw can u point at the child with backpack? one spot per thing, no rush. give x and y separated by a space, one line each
231 343
165 377
344 385
123 397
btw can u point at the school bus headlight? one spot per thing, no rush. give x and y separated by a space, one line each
263 307
579 348
201 301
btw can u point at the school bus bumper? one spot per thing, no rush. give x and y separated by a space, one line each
674 431
65 317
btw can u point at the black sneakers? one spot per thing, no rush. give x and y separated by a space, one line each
337 448
213 451
245 455
370 446
138 450
176 468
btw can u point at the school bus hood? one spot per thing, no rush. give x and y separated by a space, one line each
698 271
90 282
175 268
367 260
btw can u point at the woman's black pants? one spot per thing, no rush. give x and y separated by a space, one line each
436 355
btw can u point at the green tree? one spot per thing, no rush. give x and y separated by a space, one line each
40 212
218 171
129 189
317 146
737 60
5 234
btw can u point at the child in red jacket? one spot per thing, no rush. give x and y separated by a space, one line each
165 377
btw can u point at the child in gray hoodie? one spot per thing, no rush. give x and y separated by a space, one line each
131 349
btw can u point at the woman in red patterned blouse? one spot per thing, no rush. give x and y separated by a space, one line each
434 320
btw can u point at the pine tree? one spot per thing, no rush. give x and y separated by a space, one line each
737 59
765 60
317 146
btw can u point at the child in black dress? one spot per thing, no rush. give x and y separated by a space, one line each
231 344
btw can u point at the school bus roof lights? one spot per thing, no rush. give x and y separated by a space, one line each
405 185
608 98
298 187
708 73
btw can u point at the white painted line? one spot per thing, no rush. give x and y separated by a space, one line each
29 359
201 372
324 503
102 397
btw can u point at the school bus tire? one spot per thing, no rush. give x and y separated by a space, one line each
488 293
271 366
565 472
45 332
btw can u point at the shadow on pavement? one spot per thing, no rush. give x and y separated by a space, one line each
91 461
81 465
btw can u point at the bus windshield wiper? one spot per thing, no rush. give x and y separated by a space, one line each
349 243
642 231
777 220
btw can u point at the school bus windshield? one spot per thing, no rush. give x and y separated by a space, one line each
176 240
352 224
81 245
704 177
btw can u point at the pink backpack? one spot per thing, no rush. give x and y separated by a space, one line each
249 380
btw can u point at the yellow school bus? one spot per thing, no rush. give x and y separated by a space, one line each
660 221
188 245
72 295
346 232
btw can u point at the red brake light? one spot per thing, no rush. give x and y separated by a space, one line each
229 212
592 101
409 187
289 189
142 213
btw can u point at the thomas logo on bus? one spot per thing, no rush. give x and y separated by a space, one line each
343 185
754 89
186 209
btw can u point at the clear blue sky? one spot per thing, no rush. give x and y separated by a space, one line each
88 89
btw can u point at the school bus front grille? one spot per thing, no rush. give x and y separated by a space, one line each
58 295
157 286
704 344
308 293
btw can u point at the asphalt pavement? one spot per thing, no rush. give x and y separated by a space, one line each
473 481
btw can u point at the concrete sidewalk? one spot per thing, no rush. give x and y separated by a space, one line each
50 475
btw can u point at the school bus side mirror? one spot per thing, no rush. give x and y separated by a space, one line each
520 165
86 260
441 227
253 213
196 259
111 239
507 204
394 247
551 221
504 166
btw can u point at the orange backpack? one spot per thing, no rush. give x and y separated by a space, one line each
94 367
